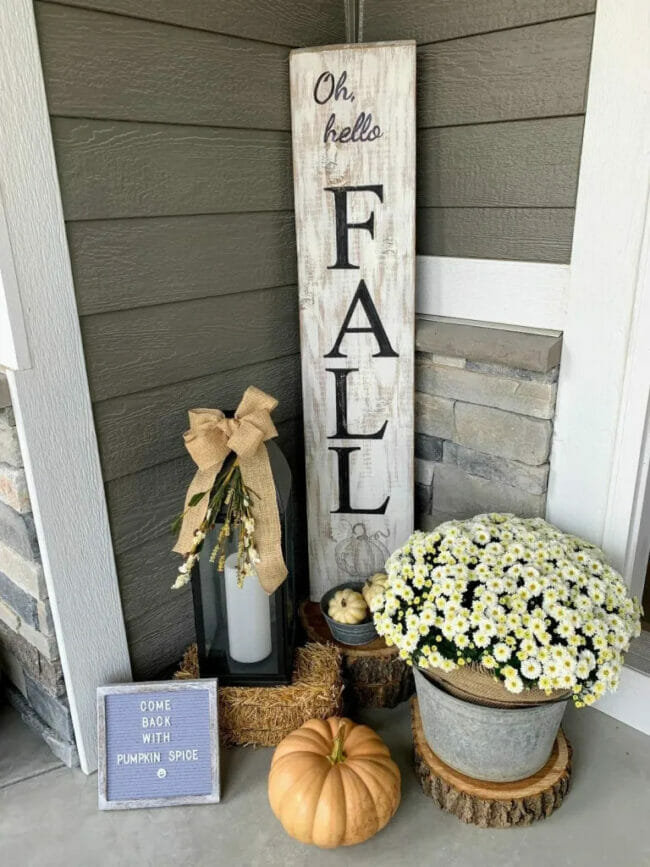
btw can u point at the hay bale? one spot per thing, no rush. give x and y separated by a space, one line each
264 715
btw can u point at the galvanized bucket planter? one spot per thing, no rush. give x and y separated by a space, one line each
348 633
496 744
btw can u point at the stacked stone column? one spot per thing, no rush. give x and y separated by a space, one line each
484 409
29 654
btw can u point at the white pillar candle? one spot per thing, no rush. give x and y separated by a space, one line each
248 610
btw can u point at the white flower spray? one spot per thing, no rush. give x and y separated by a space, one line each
231 505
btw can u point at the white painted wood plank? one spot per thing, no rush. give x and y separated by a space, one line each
51 400
626 534
610 214
638 549
598 477
347 545
532 294
14 349
631 702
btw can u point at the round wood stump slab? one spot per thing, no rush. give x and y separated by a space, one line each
374 674
486 804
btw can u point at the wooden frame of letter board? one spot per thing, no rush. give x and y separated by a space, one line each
209 685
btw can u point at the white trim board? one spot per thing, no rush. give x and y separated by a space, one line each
482 323
626 533
14 349
532 294
598 476
607 242
631 702
51 399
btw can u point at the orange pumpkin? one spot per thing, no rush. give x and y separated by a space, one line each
333 783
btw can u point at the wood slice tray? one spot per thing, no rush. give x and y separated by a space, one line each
486 804
374 674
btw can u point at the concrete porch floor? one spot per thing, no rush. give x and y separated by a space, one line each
48 813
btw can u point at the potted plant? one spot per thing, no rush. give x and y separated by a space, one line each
528 611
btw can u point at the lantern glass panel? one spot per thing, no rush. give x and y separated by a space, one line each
245 637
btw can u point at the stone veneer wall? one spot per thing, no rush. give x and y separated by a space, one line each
484 408
29 655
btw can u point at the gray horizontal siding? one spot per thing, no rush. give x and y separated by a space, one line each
171 132
109 66
144 504
283 22
501 97
134 430
110 169
121 264
435 20
513 164
530 72
133 350
528 234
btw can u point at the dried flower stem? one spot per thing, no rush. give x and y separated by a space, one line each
230 494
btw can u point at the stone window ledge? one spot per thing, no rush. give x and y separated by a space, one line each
489 344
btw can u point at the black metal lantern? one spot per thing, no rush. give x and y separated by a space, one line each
244 636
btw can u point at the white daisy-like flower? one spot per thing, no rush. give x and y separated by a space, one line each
514 684
531 669
481 639
545 682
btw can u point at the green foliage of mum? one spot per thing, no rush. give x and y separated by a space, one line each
537 607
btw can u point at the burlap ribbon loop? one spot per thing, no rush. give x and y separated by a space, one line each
209 440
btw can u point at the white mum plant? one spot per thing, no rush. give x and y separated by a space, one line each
535 606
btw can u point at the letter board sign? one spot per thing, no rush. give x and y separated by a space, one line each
158 744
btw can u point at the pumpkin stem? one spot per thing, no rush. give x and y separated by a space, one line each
337 755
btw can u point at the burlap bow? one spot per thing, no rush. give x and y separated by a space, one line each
209 441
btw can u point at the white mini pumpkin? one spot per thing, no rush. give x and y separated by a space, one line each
347 606
374 588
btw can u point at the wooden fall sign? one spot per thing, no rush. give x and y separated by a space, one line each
353 129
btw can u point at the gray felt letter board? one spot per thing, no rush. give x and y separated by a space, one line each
158 744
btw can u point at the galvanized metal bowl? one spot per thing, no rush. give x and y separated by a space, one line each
487 743
348 633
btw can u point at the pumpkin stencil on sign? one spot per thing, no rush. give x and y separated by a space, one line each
360 555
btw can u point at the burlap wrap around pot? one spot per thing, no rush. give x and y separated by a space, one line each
209 440
476 684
